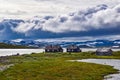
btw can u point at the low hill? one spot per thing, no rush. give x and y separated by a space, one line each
4 45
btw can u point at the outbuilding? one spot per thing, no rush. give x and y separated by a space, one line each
104 51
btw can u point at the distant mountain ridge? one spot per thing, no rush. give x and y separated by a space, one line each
85 44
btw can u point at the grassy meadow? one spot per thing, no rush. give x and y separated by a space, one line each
55 66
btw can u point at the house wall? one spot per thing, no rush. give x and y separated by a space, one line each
73 50
53 50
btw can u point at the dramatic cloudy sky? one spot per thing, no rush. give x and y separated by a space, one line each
83 19
29 8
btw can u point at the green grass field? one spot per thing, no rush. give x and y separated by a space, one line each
55 66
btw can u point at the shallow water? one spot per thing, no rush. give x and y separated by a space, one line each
5 52
112 62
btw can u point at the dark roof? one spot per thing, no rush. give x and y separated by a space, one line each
72 47
53 47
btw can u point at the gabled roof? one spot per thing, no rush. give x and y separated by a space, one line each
72 47
53 47
48 47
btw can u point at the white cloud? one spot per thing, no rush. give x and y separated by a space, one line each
94 18
46 7
100 17
101 20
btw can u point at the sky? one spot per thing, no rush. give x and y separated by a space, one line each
78 19
29 8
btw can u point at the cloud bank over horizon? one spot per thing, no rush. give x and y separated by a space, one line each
101 20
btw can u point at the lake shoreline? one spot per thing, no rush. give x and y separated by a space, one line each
44 58
54 61
110 62
5 52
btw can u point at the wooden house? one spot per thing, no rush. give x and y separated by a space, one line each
53 48
104 51
73 48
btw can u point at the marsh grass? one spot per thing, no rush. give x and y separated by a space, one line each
54 66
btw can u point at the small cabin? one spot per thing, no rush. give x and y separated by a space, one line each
53 48
104 51
73 48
